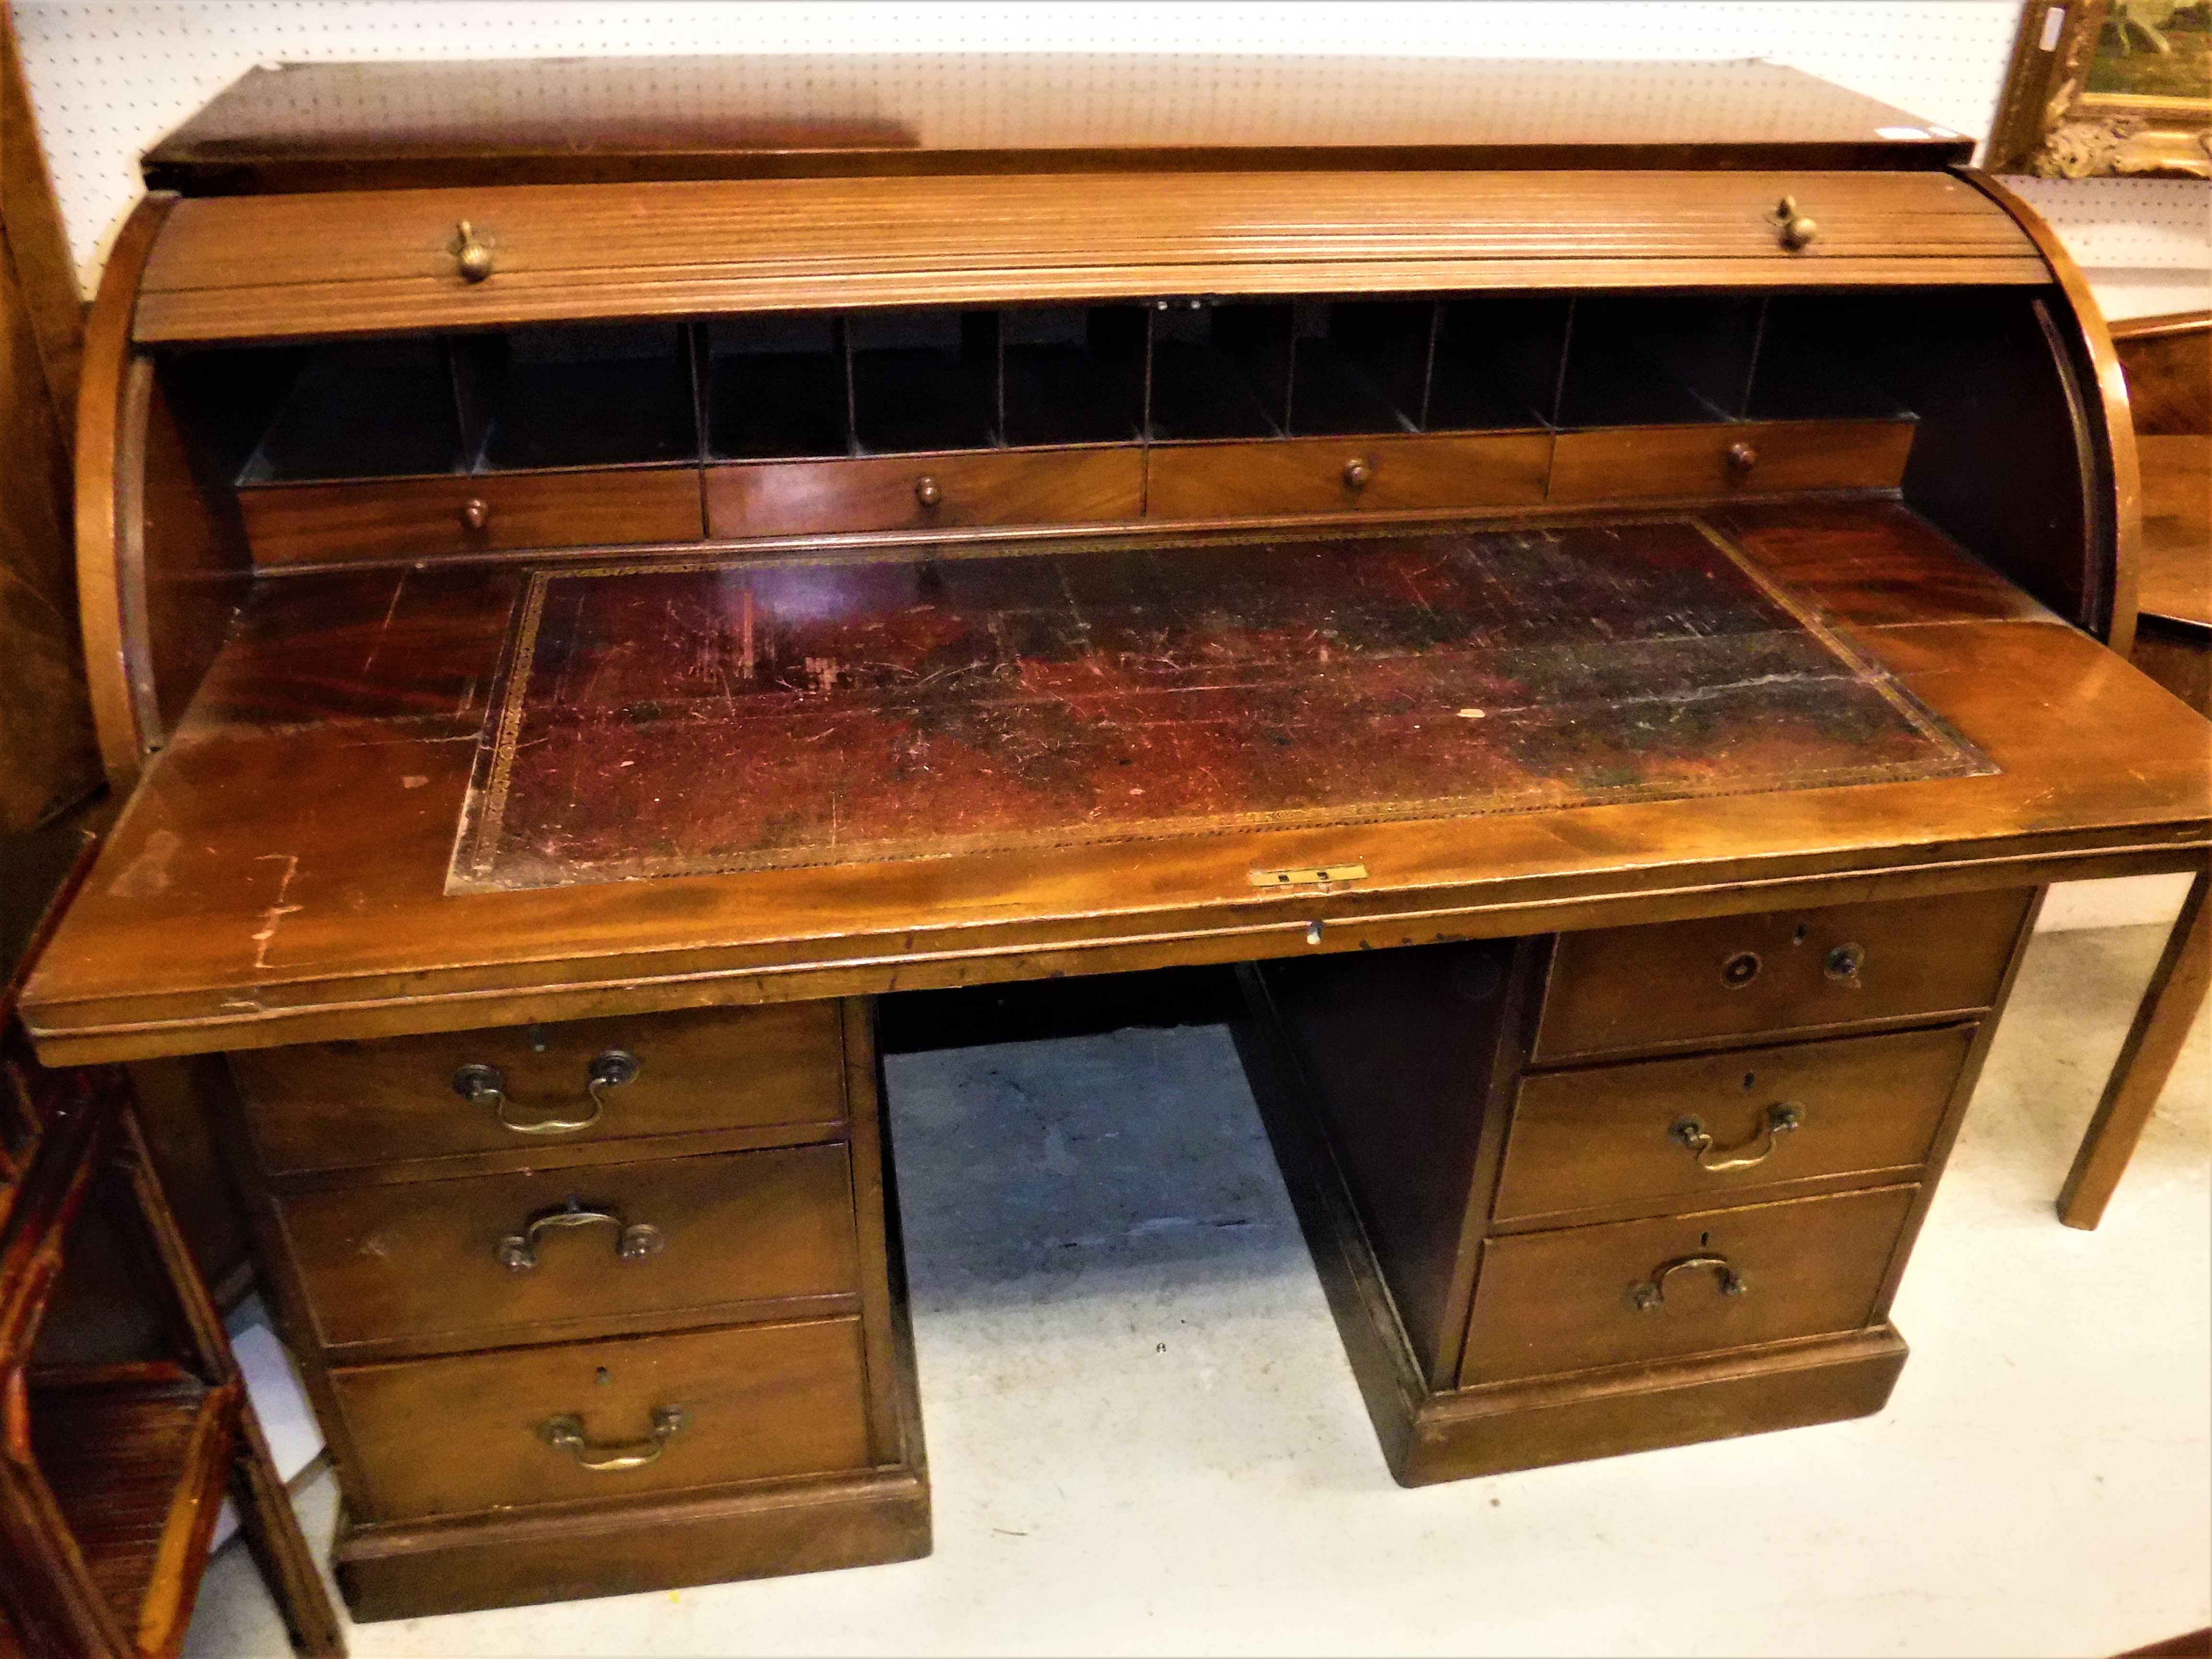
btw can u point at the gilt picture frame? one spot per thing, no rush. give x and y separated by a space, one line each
2100 89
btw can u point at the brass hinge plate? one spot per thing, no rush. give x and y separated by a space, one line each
1310 875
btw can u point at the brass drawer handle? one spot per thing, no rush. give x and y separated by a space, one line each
1358 473
472 254
476 513
1651 1294
1691 1132
1796 231
634 1242
486 1086
566 1434
1742 458
926 491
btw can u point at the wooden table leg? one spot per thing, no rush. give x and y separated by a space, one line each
2169 1006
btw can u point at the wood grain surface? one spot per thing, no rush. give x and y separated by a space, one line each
784 498
1732 977
628 119
1585 1138
273 266
458 1434
226 911
1559 1301
428 518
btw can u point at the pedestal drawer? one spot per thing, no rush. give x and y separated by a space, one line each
1662 1130
504 1257
1637 1290
1679 982
338 1105
603 1420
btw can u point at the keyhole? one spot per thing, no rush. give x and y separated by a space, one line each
536 1034
1704 1239
1749 1079
603 1379
1802 931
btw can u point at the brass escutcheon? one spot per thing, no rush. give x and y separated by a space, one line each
1690 1132
566 1433
1844 963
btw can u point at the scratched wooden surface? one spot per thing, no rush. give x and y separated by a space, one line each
757 715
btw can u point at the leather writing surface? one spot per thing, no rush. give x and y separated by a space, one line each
770 713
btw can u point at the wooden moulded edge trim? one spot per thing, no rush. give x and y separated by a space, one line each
2112 430
109 480
629 983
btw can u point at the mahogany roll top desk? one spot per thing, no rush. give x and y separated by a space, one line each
1591 590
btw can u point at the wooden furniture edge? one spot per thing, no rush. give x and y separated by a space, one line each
111 579
629 984
2165 325
2170 1005
2112 428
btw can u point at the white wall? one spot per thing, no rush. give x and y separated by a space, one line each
108 79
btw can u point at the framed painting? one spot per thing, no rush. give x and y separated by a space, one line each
2103 88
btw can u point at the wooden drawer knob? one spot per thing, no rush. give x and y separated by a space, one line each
1358 473
927 490
476 513
472 254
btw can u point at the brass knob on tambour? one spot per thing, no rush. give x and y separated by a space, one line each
1798 230
471 255
926 492
1742 458
1357 473
475 513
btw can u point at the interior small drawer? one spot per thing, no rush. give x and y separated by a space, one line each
1645 463
1719 977
1634 1291
925 492
1275 478
1659 1130
339 1105
477 1261
603 1420
443 517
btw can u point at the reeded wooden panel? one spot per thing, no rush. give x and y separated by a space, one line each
1583 1139
1645 462
339 1105
237 267
423 1261
1268 477
921 492
433 518
1723 976
443 1437
1564 1301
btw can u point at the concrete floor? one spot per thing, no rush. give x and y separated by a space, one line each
1144 1437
